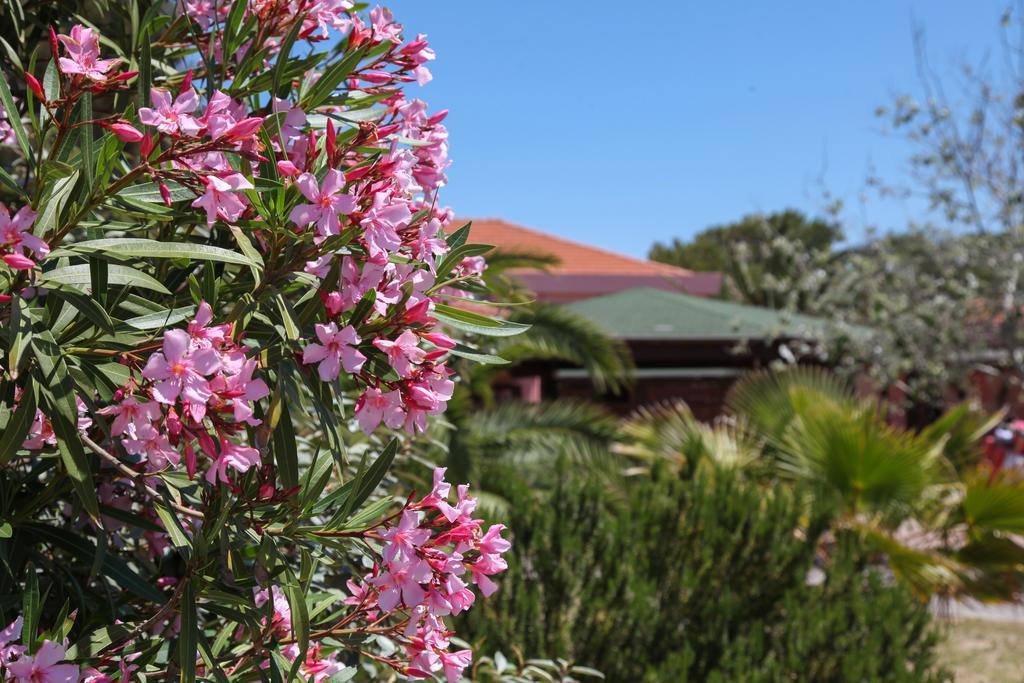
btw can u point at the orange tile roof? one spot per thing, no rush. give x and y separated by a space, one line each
575 258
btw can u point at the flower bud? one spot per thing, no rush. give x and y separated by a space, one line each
19 261
125 131
35 87
287 168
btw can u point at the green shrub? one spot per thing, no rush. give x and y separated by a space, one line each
695 580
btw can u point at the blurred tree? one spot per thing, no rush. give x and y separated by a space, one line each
761 255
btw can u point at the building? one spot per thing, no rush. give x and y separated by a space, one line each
685 343
584 271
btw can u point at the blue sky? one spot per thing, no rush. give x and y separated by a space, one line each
620 127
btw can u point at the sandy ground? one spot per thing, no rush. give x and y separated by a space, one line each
984 651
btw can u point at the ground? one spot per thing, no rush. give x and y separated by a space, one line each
984 651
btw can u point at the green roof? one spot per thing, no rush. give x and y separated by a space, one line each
646 313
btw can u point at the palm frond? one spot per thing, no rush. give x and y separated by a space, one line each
960 431
868 465
769 400
529 433
669 432
557 333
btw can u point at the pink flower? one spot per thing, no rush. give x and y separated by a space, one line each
154 446
201 332
336 347
454 663
44 666
130 415
382 223
282 620
16 234
8 650
374 406
83 50
492 543
402 540
221 200
179 372
402 585
243 391
238 458
172 118
327 203
402 353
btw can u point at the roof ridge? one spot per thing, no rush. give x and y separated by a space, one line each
583 245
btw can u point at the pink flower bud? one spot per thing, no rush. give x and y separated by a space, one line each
287 168
329 144
127 75
19 262
165 194
54 47
244 128
441 341
437 118
125 131
377 77
186 83
35 87
146 146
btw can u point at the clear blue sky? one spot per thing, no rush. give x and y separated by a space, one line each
621 123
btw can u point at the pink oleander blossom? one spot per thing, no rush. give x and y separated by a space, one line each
234 456
375 406
337 349
9 651
179 372
16 237
83 54
173 117
44 666
327 202
403 353
130 414
281 622
221 199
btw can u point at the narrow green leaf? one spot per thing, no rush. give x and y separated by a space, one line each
167 318
285 451
86 140
79 276
173 526
143 248
188 637
31 606
51 81
18 424
478 324
85 305
150 192
14 119
300 621
463 351
53 203
19 335
283 58
367 482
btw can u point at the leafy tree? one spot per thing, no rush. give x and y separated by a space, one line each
760 255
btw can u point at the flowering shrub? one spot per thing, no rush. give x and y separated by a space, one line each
224 282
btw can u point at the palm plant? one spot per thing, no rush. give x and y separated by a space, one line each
920 500
487 432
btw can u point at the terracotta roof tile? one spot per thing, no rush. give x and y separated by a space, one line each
576 258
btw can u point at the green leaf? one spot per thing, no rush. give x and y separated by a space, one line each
31 606
6 530
53 203
51 81
283 59
86 140
300 620
14 119
113 567
463 351
188 637
85 305
150 192
478 324
368 481
285 451
19 422
19 335
143 248
58 389
332 78
173 526
78 276
166 318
